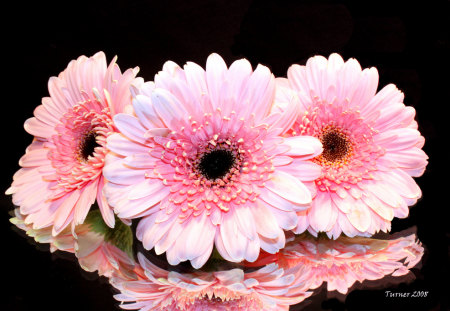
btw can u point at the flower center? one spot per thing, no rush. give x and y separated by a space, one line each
213 164
79 152
216 164
336 145
349 154
87 146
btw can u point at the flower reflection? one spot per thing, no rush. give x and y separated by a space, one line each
273 282
96 246
267 288
342 262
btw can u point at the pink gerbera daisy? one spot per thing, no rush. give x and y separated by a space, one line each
372 147
203 162
269 288
342 262
61 174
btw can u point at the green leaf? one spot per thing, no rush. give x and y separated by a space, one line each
120 236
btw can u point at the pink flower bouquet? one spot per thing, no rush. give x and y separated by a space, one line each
282 180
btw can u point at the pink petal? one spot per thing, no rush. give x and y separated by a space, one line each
297 77
135 207
130 127
65 212
302 222
359 216
409 159
386 96
105 209
366 89
52 109
196 79
289 188
38 128
37 157
237 77
303 170
216 70
403 184
234 242
273 245
344 205
58 99
259 93
169 238
347 228
44 115
199 236
266 223
244 219
167 107
87 198
199 261
379 207
321 211
349 77
118 173
123 146
286 220
281 161
302 146
315 74
402 138
145 188
252 250
385 194
150 232
277 201
218 242
143 108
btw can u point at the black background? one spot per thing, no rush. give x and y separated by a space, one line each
407 41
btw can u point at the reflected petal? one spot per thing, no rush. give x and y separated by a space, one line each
342 262
267 288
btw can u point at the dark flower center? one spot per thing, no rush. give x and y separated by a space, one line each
88 145
335 145
216 164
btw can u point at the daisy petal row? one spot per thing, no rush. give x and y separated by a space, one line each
221 158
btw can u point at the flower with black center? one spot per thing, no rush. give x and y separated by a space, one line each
61 174
203 162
